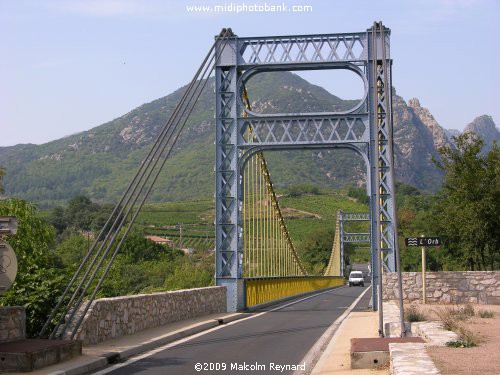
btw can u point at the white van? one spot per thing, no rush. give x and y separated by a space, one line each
356 278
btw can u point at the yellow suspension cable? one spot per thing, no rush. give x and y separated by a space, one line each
289 256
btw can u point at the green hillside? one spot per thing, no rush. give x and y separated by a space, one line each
100 162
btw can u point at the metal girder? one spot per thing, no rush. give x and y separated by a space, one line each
344 217
356 237
363 128
297 130
227 190
356 216
324 48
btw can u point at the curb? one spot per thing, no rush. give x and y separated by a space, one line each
411 359
106 359
94 364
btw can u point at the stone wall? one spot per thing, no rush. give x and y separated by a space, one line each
113 317
12 323
446 287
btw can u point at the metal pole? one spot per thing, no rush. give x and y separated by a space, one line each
388 95
424 266
376 158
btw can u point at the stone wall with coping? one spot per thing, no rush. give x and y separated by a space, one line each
481 287
12 323
109 318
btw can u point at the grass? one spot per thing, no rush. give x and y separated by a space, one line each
413 314
483 313
453 320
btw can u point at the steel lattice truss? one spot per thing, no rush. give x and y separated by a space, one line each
344 217
365 129
356 216
318 130
356 237
303 49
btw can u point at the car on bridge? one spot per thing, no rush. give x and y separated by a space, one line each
356 278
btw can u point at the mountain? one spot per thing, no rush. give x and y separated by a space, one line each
100 162
415 144
450 133
485 128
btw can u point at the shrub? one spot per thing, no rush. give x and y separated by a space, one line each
486 313
413 314
458 344
467 311
453 319
468 337
449 318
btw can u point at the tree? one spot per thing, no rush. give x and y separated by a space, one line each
72 249
57 220
468 208
34 238
39 282
80 212
137 248
316 251
189 273
82 215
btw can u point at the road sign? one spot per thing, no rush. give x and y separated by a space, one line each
8 266
8 225
423 241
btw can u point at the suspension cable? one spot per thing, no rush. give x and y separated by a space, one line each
178 129
165 141
120 206
294 262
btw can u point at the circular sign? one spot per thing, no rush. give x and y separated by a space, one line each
8 266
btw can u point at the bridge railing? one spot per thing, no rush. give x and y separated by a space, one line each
266 289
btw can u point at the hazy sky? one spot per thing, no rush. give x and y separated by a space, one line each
68 66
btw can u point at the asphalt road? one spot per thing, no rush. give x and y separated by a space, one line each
280 337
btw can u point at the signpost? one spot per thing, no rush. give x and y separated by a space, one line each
423 241
8 260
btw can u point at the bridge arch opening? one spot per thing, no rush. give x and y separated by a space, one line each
302 90
310 199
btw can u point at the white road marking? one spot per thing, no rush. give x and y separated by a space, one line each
186 339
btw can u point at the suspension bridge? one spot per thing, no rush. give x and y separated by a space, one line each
256 259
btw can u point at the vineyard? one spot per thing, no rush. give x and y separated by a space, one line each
190 224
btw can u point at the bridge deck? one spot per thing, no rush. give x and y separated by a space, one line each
281 336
